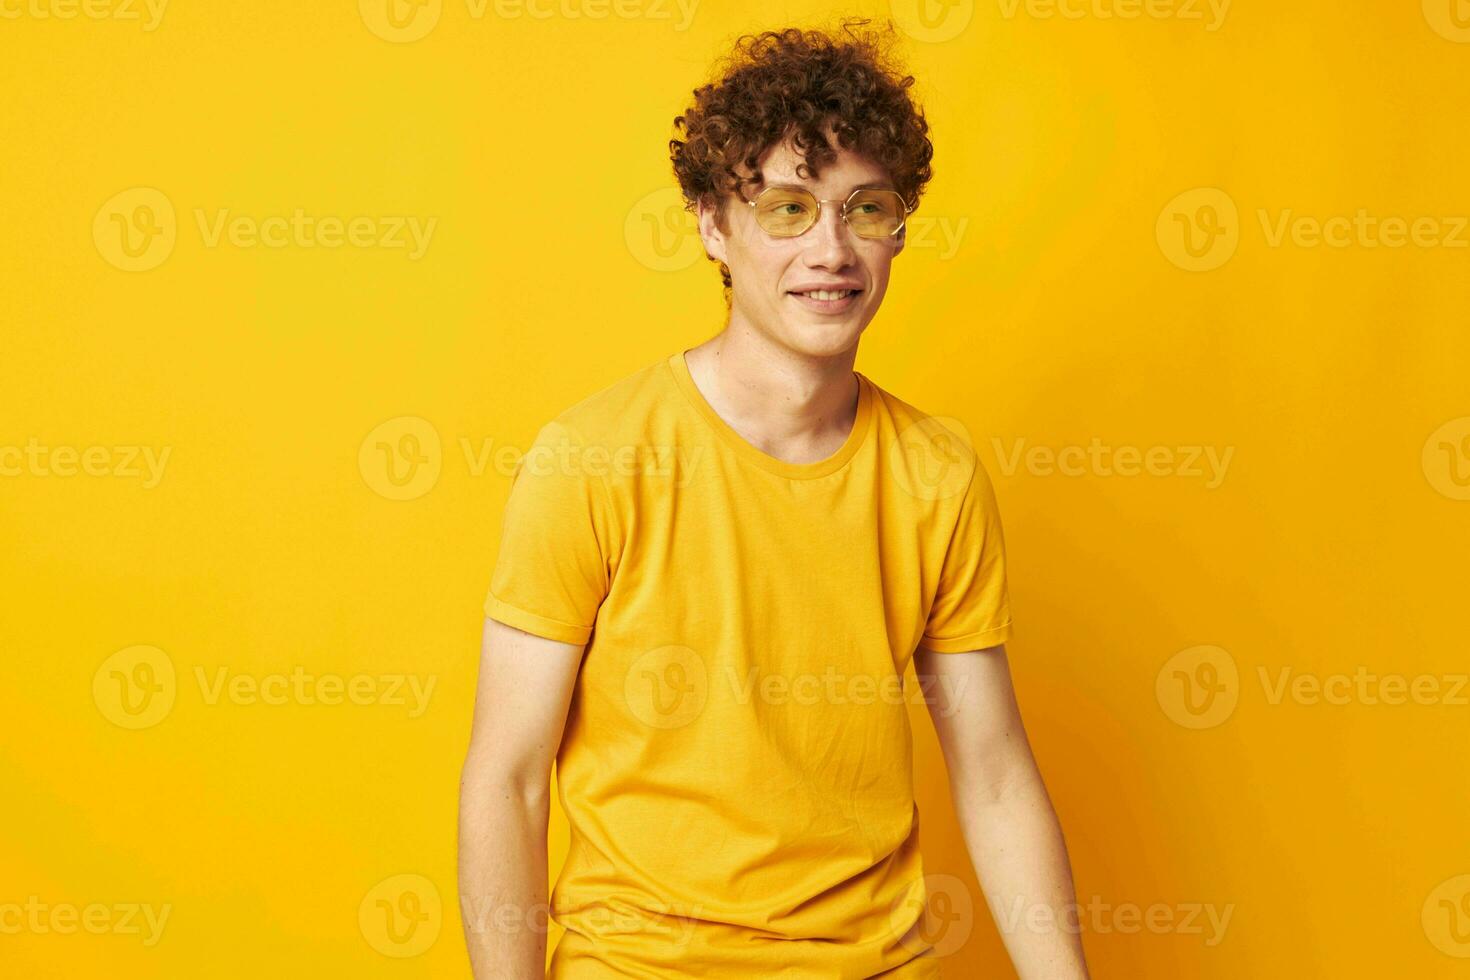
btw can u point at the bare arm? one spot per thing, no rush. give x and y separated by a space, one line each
1005 815
521 705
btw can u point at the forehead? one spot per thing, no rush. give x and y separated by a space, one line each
779 166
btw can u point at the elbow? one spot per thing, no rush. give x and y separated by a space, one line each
486 780
1002 778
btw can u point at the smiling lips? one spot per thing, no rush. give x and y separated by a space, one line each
830 286
827 300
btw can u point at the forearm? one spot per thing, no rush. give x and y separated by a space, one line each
1020 858
502 878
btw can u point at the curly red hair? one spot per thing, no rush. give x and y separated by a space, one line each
792 85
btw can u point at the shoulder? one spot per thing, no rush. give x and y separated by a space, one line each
890 406
933 455
617 413
617 433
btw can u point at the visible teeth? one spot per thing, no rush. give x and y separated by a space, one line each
827 294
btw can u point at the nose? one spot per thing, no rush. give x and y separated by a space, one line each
831 245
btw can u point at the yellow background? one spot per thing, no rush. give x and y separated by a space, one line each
1335 543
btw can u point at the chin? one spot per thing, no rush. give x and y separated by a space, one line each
822 339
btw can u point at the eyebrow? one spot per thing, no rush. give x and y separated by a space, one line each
878 186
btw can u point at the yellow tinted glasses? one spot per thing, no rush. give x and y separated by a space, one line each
785 212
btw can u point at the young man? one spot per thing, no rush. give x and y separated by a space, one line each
712 576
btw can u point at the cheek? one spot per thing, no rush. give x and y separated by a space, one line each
768 264
879 265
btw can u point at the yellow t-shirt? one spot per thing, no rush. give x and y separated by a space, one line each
736 764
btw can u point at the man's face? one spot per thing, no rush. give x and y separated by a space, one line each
769 274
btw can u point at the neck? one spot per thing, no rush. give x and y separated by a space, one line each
796 407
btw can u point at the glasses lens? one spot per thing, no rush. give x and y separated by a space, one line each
875 214
785 212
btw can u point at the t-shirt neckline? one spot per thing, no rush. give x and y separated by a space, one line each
795 471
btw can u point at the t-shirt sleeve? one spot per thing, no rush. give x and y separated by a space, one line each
552 571
972 608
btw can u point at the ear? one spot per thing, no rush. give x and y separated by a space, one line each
901 239
709 232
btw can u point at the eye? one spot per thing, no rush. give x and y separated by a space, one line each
788 209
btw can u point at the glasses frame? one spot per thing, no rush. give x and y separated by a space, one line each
908 209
